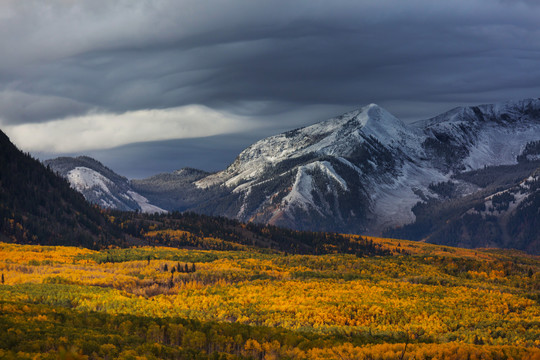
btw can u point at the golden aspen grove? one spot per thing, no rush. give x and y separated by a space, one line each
420 301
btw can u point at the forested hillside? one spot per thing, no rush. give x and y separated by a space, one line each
193 230
39 207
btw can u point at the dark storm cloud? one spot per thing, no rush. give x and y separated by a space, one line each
273 61
19 107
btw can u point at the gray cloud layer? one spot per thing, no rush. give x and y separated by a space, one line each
280 63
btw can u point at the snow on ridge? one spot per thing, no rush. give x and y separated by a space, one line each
82 178
500 146
329 171
210 180
328 137
331 125
300 193
497 109
243 207
351 165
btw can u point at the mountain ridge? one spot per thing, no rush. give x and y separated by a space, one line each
100 185
362 172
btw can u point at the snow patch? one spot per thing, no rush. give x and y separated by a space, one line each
243 207
300 194
329 171
82 178
500 146
143 203
393 201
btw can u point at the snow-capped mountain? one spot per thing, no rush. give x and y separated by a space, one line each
331 175
367 172
364 171
100 185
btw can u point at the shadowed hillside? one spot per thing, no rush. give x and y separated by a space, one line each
39 207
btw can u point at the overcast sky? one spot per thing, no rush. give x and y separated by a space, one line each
151 86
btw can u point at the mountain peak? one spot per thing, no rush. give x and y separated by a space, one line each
340 136
373 115
374 108
367 121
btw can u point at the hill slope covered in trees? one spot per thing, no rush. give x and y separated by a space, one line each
39 207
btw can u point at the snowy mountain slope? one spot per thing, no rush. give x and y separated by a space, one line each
364 171
502 212
100 185
334 137
488 135
366 149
